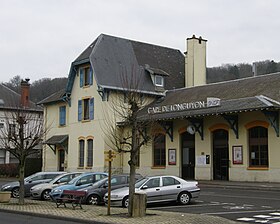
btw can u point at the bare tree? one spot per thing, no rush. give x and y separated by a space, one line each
14 83
21 136
124 132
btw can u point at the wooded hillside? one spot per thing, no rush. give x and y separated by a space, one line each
242 70
39 89
42 88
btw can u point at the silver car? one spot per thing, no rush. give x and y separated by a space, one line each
30 181
158 189
41 191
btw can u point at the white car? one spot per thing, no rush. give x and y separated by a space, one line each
158 189
41 191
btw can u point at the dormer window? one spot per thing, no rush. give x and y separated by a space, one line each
85 76
159 80
157 76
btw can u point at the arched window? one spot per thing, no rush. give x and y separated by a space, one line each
81 152
258 147
89 153
159 151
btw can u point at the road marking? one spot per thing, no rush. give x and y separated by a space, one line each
236 207
233 196
223 213
276 217
183 206
262 221
248 205
245 219
262 216
275 213
228 203
266 206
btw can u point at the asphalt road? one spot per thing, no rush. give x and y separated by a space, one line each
13 218
250 206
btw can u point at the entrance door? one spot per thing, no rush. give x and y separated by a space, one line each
188 155
220 155
61 157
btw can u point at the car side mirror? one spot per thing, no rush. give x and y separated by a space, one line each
144 187
30 181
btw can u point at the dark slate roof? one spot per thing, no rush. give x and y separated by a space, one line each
56 139
255 93
10 99
113 57
55 97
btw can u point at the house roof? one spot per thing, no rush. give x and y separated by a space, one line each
112 58
248 94
56 139
10 99
55 97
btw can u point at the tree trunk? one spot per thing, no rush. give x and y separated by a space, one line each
131 187
132 164
21 182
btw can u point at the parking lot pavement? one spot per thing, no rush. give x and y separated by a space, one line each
98 214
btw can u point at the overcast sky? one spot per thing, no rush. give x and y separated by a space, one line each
40 38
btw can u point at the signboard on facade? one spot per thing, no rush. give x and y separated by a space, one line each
201 160
172 157
209 102
237 154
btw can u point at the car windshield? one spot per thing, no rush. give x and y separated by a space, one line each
74 180
140 182
30 177
57 178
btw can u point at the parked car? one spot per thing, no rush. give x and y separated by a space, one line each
158 189
30 181
82 181
96 192
41 191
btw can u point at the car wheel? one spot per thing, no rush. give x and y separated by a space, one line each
93 199
125 202
184 198
46 195
15 192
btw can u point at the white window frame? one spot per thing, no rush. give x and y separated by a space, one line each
157 78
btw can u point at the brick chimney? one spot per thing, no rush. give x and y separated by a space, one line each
25 87
195 62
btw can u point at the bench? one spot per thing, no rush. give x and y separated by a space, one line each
73 197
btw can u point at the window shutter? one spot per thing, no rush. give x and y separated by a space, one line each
90 76
81 77
80 110
91 109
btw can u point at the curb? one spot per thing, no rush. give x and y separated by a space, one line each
49 216
245 187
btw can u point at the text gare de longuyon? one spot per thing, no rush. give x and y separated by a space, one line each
210 102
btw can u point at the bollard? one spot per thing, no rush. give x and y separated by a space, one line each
140 204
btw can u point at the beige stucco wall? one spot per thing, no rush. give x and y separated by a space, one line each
205 172
195 62
97 129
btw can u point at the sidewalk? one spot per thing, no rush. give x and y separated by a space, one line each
98 214
240 185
